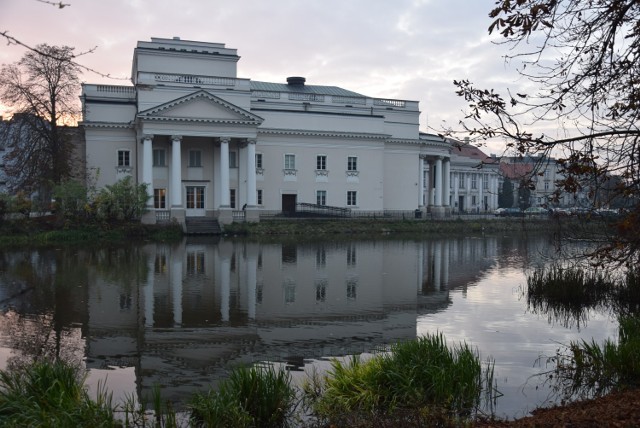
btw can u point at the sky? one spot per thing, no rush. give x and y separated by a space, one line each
400 49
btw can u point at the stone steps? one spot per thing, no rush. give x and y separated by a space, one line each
202 226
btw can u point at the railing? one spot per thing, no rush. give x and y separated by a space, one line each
300 96
265 94
348 100
388 103
322 210
163 216
116 89
194 80
238 215
326 212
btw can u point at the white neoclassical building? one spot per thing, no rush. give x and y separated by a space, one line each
208 142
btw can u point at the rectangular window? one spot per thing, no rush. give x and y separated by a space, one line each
159 158
321 162
124 158
352 199
461 181
289 161
474 181
352 163
232 198
233 161
258 160
195 158
473 200
485 181
259 196
321 197
546 185
160 198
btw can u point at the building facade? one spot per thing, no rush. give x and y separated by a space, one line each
207 142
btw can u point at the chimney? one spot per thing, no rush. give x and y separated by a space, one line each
296 81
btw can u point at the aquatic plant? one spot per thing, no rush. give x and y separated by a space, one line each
51 394
259 396
418 379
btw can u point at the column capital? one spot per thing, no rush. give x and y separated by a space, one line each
147 137
252 140
176 137
225 140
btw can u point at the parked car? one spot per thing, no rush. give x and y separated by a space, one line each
536 211
498 212
512 212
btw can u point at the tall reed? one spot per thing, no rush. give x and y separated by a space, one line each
256 397
51 394
423 375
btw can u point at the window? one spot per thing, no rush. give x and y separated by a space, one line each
160 198
485 181
159 157
289 161
546 185
232 198
321 162
195 158
258 160
124 158
352 163
259 196
352 198
321 197
473 200
474 181
233 161
461 181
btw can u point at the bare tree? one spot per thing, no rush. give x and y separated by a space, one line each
42 91
581 59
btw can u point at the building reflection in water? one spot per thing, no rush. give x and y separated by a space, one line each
204 307
181 315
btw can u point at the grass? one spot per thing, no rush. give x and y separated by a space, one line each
250 397
415 381
588 369
46 394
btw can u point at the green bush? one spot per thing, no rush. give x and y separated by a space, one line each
250 397
122 201
50 394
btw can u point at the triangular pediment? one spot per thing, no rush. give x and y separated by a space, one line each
201 106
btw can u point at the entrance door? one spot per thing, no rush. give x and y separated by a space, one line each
195 201
289 204
461 204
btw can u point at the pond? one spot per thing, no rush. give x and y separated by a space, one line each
180 315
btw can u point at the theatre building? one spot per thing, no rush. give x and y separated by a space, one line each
208 143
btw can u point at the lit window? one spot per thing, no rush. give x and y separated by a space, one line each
352 163
195 158
124 158
160 198
352 198
289 161
321 162
321 197
159 157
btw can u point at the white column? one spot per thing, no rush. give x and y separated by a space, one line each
224 173
480 191
147 166
430 183
176 171
446 181
251 173
438 190
456 187
421 182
